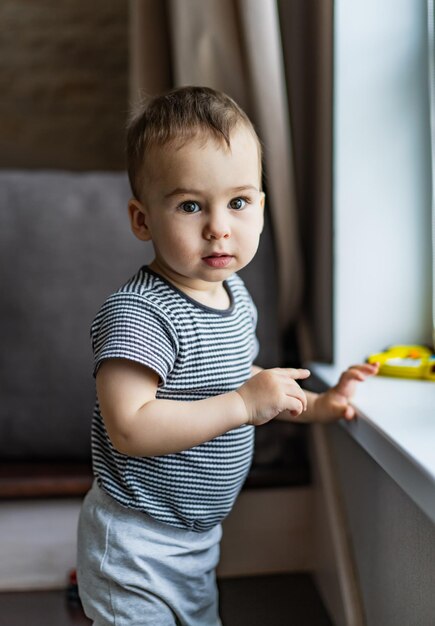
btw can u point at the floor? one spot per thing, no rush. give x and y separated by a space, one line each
281 600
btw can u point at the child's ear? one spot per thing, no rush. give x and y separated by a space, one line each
262 202
139 220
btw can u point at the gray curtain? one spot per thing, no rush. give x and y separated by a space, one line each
307 39
247 48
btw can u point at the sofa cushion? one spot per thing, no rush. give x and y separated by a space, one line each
65 244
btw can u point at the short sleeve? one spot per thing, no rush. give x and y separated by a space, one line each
131 327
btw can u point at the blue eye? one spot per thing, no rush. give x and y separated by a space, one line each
237 204
190 207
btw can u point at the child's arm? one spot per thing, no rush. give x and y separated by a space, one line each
138 424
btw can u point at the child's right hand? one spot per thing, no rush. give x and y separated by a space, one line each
273 391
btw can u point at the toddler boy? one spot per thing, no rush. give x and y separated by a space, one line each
178 396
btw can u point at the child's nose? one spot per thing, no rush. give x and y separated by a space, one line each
217 227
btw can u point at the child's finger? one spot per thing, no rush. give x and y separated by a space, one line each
345 411
295 406
296 392
296 373
349 413
355 373
366 367
362 371
350 375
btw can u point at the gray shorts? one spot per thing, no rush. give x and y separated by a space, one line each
135 571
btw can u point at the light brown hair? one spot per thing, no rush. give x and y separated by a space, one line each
176 117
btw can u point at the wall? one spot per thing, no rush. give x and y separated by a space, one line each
63 84
37 543
393 541
38 538
382 261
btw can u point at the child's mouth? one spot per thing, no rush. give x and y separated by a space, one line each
221 260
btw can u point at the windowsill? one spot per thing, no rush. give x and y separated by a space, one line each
396 426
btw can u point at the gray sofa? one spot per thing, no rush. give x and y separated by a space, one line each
65 244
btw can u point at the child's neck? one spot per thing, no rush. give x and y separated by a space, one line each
219 300
213 295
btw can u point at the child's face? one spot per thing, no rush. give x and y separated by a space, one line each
202 208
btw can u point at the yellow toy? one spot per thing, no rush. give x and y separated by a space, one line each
406 362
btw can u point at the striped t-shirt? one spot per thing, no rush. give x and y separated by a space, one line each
197 352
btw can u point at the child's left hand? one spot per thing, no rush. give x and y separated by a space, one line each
335 403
